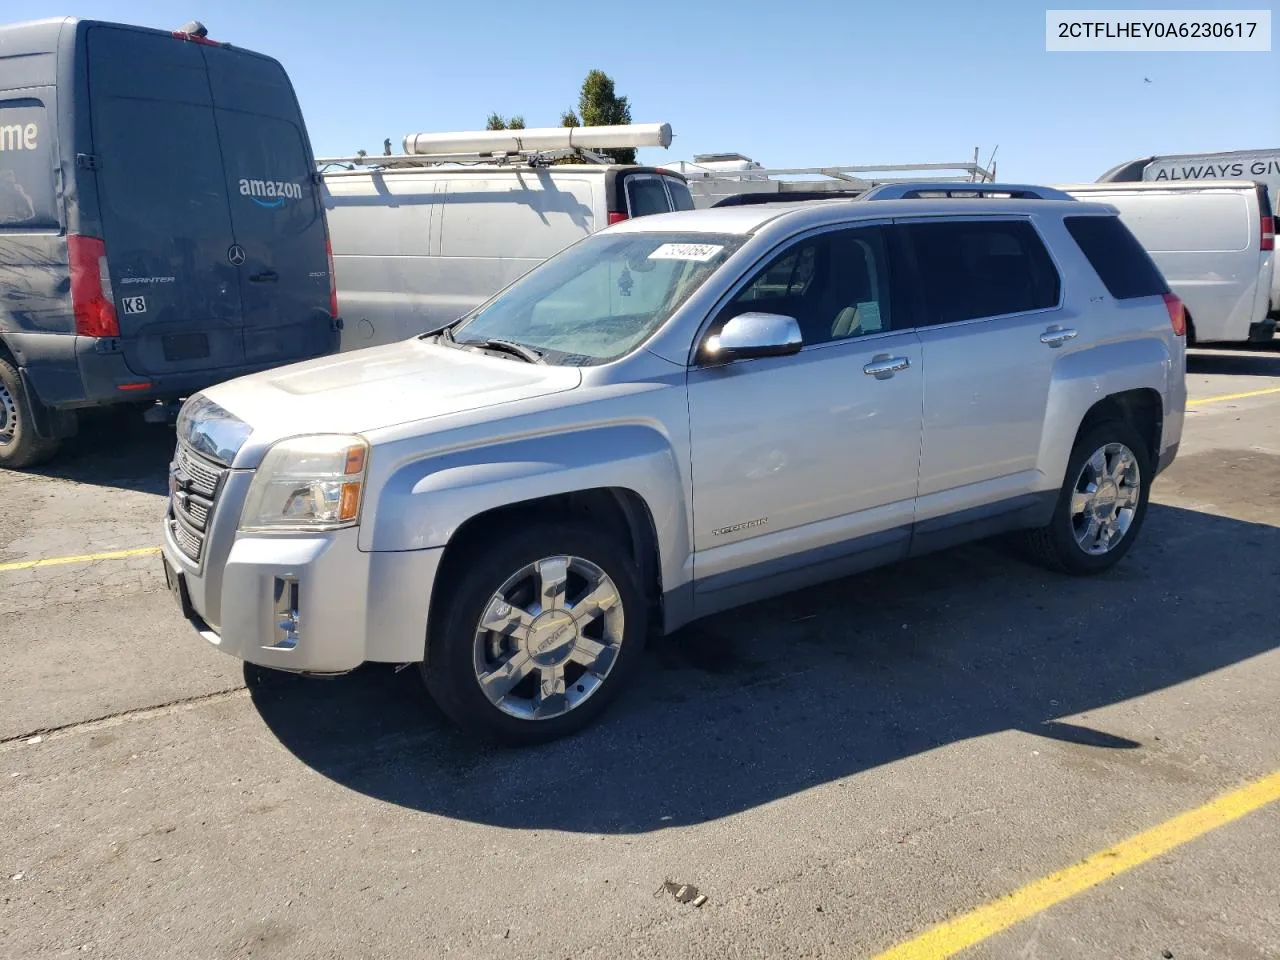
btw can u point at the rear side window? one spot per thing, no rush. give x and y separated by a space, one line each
681 198
976 268
1119 260
268 174
646 195
27 196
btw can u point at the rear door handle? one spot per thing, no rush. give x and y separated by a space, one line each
266 276
885 366
1057 336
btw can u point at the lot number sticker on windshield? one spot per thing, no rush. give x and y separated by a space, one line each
700 252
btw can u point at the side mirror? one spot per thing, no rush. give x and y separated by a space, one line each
751 335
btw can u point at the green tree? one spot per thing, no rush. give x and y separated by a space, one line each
600 106
497 121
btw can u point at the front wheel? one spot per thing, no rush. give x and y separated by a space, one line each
537 635
1102 503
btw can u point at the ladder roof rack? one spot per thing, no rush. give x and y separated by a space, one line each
402 161
715 177
927 189
532 147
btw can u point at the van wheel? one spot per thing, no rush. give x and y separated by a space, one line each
19 445
537 635
1102 503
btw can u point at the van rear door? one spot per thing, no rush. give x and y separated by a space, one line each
163 203
276 212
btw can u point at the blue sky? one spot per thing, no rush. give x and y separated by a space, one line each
790 85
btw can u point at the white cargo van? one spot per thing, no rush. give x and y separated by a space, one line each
1260 166
426 238
1214 242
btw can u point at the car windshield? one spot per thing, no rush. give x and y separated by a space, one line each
601 298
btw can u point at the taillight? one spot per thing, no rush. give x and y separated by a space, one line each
617 216
333 279
91 297
1268 234
1177 314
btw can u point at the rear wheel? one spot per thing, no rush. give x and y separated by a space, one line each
1102 503
537 635
20 446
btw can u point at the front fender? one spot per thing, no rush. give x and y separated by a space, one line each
1082 379
422 503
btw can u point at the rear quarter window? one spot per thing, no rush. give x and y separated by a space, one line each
27 195
1123 266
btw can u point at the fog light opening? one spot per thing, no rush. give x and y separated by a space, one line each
285 615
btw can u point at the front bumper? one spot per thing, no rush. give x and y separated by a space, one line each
305 603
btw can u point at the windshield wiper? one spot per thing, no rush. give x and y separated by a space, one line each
506 346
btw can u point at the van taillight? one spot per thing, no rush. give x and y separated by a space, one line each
1177 314
333 279
1268 234
91 297
617 216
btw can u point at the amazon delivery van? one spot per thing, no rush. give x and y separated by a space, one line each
160 223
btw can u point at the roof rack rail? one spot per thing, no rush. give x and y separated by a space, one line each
409 161
533 147
925 189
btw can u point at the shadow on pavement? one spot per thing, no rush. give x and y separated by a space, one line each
115 448
1240 363
813 687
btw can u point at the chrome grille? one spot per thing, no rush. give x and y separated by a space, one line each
194 485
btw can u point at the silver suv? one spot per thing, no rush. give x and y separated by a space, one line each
672 417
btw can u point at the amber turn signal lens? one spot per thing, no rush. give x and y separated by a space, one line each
349 504
355 461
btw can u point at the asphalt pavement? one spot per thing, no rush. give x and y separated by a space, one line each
836 771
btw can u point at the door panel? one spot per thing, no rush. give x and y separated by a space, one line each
277 219
990 292
802 462
794 454
163 204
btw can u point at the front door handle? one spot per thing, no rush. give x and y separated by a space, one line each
1057 336
266 276
884 366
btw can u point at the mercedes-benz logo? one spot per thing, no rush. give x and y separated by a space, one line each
236 254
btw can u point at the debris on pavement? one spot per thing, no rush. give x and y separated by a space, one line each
683 892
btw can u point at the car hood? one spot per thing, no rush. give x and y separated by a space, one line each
376 388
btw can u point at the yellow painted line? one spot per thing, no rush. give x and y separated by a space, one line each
949 938
84 558
1233 396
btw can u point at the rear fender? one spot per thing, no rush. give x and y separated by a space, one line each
1082 379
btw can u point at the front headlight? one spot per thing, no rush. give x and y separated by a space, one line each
308 483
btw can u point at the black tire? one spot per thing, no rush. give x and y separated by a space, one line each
20 446
449 669
1055 545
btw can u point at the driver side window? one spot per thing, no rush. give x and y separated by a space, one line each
835 284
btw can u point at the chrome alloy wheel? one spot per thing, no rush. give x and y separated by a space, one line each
1105 498
8 415
548 637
